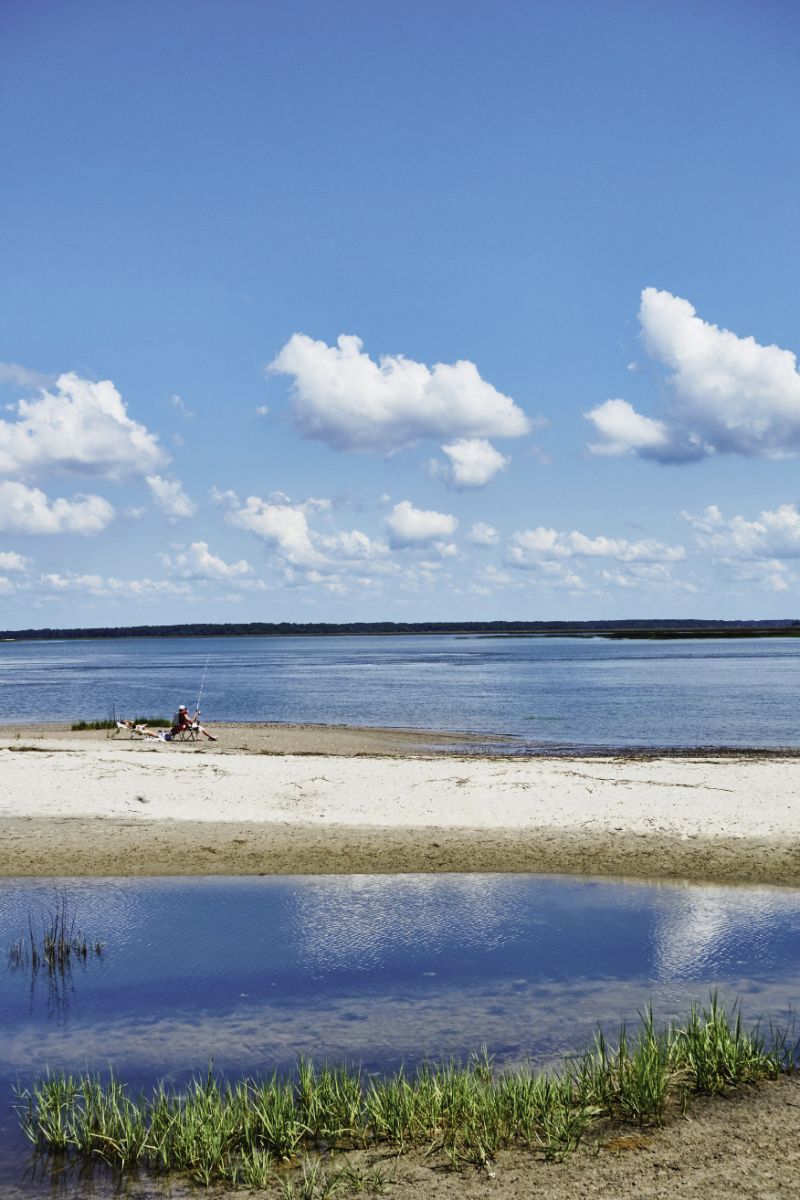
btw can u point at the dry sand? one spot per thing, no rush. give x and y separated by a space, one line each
316 799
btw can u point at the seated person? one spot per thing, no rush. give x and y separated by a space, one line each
184 722
181 721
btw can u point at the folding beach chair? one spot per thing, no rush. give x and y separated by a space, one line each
184 733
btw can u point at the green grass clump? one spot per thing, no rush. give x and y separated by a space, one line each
155 722
710 1054
718 1054
240 1133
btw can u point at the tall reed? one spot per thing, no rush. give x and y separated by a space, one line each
56 944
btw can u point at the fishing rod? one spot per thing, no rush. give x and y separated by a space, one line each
202 685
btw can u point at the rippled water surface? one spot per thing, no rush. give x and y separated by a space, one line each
548 692
376 970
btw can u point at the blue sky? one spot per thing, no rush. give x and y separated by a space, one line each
558 242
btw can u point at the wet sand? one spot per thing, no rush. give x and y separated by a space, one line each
348 741
744 1146
319 799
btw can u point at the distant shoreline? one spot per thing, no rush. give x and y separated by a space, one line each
653 630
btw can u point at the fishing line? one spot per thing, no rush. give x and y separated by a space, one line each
202 685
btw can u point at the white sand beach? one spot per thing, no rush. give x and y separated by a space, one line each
72 805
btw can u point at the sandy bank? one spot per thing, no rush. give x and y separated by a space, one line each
78 806
265 738
741 1147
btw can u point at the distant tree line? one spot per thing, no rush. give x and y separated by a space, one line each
612 629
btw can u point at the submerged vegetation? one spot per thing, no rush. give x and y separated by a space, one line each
249 1132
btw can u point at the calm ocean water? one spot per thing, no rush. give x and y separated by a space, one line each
547 692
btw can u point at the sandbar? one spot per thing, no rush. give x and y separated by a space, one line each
321 799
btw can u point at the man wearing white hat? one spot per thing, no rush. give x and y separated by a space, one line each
183 723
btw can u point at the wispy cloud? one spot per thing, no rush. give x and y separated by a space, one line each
170 497
482 534
23 376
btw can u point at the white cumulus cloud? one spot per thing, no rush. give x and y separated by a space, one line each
308 554
170 497
534 547
284 527
26 509
11 561
410 526
348 400
98 585
197 562
81 427
473 462
774 533
351 545
482 534
626 431
727 394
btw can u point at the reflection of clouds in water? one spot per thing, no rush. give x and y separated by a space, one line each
184 945
332 917
106 912
364 916
695 931
323 925
98 905
516 1021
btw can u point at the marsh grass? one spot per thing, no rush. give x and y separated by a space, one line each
155 722
249 1132
55 944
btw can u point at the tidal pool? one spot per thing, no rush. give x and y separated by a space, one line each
371 970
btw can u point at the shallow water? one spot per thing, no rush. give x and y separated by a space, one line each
559 692
376 970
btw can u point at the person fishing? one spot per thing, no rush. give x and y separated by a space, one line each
183 723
